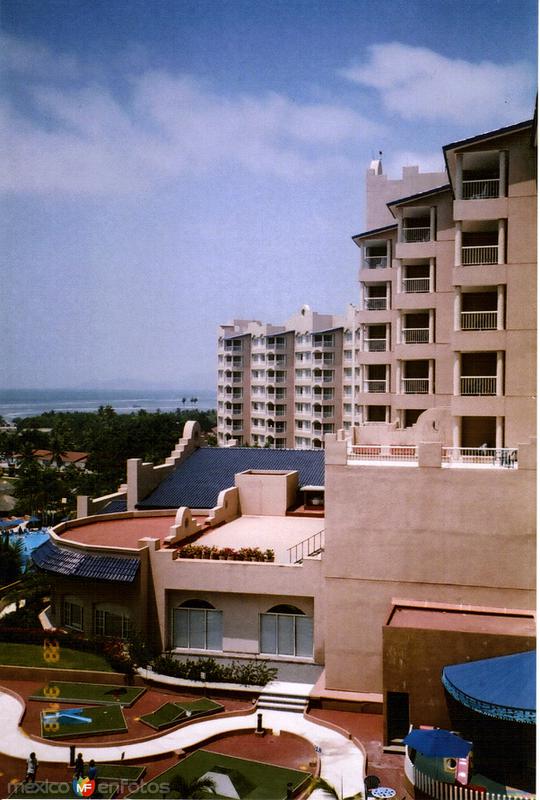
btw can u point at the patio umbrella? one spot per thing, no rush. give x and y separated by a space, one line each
10 523
438 742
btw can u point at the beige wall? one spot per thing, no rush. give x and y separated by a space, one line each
265 492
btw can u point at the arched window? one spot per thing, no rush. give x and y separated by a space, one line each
73 613
286 630
196 625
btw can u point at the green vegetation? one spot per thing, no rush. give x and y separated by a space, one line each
175 713
109 439
250 673
63 692
31 655
105 719
251 780
118 772
11 555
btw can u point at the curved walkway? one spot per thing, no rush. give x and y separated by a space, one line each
342 763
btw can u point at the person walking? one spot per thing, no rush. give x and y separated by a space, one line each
79 767
92 770
31 768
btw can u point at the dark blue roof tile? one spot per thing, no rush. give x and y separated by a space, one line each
78 564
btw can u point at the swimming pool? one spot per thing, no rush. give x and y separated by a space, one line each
30 541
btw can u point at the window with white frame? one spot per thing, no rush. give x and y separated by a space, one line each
197 625
110 620
73 613
286 631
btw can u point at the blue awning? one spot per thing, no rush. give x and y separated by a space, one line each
502 687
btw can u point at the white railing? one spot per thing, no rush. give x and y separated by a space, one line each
415 234
451 791
374 345
410 285
478 320
415 335
324 362
375 262
375 304
375 386
492 456
367 452
479 385
480 254
415 385
233 348
480 189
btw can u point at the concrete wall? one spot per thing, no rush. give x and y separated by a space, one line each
425 533
266 492
380 190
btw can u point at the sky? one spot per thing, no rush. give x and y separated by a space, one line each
171 165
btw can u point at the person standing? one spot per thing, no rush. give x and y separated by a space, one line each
31 768
92 770
79 767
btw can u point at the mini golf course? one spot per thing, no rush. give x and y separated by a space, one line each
174 713
82 722
236 778
63 692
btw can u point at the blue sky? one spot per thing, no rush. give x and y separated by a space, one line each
174 165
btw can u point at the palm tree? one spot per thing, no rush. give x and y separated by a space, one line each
194 788
331 791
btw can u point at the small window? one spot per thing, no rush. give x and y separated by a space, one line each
285 630
196 625
73 614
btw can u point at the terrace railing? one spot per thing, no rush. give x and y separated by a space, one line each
480 254
374 345
506 457
410 285
375 304
479 385
440 790
411 235
415 335
311 546
369 452
375 386
375 262
478 320
415 385
480 189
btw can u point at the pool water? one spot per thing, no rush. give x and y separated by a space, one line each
30 541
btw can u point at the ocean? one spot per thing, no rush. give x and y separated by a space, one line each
30 402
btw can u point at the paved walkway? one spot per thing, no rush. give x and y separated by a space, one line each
342 763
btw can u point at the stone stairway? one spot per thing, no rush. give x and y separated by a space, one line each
277 701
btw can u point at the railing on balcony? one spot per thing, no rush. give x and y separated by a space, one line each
479 254
411 285
440 790
478 320
486 456
479 385
374 345
233 348
415 385
311 546
374 386
362 452
411 235
375 262
480 189
415 335
375 303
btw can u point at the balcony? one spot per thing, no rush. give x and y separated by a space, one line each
374 345
376 304
481 189
415 336
232 348
375 262
375 386
502 457
412 235
479 320
479 254
415 385
478 385
383 453
415 285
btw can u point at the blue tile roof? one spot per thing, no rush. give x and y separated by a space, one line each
114 507
197 482
77 564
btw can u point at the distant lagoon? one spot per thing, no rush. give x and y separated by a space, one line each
31 402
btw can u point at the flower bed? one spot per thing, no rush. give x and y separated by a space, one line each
225 553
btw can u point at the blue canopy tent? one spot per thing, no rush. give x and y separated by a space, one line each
438 743
502 687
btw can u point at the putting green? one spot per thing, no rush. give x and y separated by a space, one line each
104 719
63 692
118 772
175 713
234 777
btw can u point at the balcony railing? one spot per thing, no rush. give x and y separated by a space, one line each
411 285
481 189
374 345
479 385
411 235
373 386
375 262
375 303
478 320
480 254
415 385
233 348
486 456
415 335
382 452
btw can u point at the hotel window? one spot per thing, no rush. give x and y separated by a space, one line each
112 620
286 631
196 625
73 614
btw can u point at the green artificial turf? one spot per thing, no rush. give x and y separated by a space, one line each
174 713
63 692
118 772
252 780
58 790
105 719
31 655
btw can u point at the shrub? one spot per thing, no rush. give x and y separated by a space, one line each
254 672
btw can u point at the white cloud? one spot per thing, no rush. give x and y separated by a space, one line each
427 162
417 83
24 57
86 141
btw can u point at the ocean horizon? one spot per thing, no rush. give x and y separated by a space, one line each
15 403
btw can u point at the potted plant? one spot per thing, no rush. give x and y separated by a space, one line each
269 555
